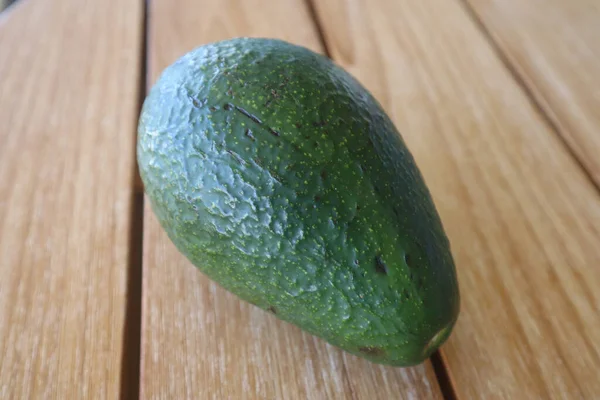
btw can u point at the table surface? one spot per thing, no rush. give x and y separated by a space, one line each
499 102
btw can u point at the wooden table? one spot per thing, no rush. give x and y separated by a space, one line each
499 101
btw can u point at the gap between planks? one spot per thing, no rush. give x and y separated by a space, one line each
132 333
527 90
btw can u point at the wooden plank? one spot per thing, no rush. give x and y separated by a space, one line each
200 341
553 47
69 73
522 217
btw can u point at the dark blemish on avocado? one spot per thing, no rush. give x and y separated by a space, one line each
316 145
212 108
249 134
324 174
317 199
295 146
357 207
356 262
258 162
272 310
276 176
196 103
227 106
285 82
248 115
274 96
230 92
319 124
408 260
372 351
298 125
237 157
274 132
380 266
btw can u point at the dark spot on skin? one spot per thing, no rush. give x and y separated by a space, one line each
213 108
274 132
319 124
236 156
274 95
285 82
317 199
249 134
356 262
276 176
248 115
196 103
371 351
298 125
227 106
357 208
380 266
316 144
258 162
324 174
230 92
272 310
408 260
296 147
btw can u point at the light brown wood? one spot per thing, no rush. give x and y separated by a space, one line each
69 72
201 342
553 47
523 220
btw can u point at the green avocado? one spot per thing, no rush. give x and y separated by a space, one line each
282 179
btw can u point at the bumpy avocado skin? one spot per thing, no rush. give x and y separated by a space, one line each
282 179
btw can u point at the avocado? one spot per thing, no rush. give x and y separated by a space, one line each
283 180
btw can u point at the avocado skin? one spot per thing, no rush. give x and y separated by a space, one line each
282 179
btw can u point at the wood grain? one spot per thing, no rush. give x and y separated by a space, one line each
68 102
200 341
553 47
522 217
